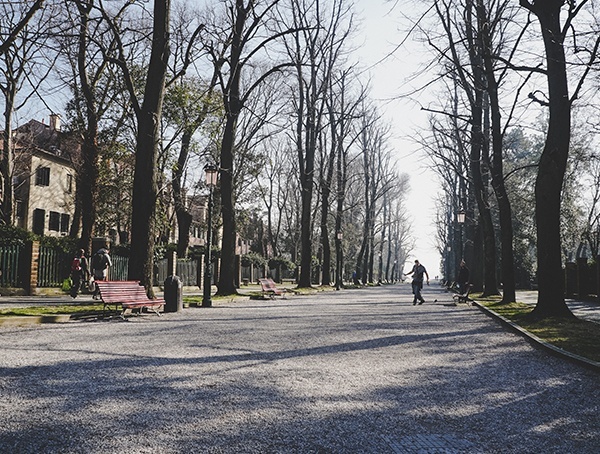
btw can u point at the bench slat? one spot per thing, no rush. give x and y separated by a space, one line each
269 288
128 294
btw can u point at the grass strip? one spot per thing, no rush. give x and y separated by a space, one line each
51 310
574 335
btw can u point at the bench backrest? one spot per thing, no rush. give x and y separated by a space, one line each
268 284
121 291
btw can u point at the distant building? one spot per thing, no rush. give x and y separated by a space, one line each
44 178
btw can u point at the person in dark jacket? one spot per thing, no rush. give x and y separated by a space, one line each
80 272
463 278
101 262
418 271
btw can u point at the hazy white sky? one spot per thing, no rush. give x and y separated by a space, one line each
382 31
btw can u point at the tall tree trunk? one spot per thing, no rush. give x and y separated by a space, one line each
504 208
184 217
226 284
87 181
325 204
306 181
141 262
6 162
362 258
232 103
552 166
477 145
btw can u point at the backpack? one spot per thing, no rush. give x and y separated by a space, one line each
99 261
76 264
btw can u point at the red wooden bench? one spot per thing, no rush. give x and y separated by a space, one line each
129 295
270 289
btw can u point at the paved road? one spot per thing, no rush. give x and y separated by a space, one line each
345 372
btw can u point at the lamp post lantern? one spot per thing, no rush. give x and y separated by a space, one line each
212 174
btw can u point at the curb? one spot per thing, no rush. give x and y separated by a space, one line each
536 341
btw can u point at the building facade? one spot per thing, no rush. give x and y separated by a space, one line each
44 178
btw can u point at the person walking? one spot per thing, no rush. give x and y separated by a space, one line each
80 272
418 271
101 262
463 278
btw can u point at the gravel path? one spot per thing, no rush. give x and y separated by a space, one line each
355 371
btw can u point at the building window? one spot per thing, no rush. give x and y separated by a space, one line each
42 176
54 223
39 218
69 183
64 223
20 209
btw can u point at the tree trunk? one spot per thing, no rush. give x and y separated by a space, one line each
232 103
6 162
306 179
504 208
184 217
141 262
477 146
552 166
325 203
226 284
87 181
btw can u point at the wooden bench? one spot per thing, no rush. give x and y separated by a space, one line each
270 289
129 295
463 297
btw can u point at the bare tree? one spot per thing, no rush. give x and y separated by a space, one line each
95 90
553 162
232 50
471 79
23 49
148 113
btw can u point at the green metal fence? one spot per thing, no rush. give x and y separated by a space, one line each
10 266
186 269
54 267
118 270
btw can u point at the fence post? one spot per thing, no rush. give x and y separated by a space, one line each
32 263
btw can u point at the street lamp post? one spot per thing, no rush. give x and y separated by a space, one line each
211 181
460 217
448 264
338 274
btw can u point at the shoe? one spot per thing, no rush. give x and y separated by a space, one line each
421 302
414 302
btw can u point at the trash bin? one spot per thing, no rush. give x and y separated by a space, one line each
173 294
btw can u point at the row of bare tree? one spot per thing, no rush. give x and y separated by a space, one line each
506 67
265 89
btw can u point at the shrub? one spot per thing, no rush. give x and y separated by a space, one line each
282 262
15 236
64 243
253 259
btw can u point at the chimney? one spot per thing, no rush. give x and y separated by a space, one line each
54 122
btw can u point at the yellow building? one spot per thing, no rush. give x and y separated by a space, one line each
44 178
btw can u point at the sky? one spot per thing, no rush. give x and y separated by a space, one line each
382 31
